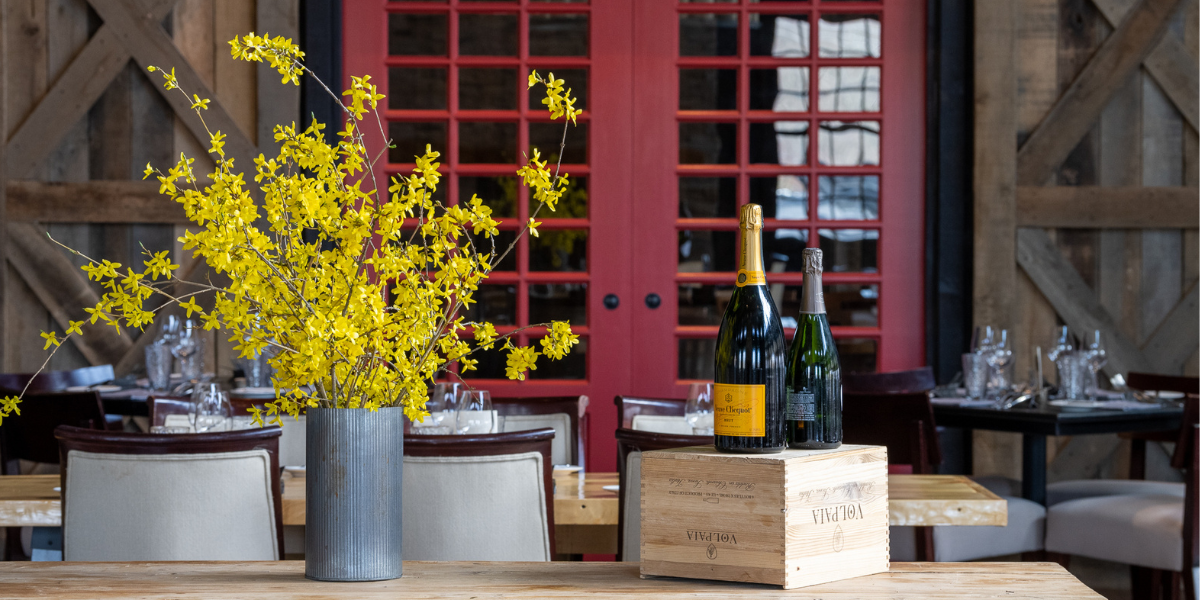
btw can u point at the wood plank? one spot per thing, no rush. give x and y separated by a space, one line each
1074 301
64 292
71 96
5 330
924 500
235 85
1081 104
533 581
91 202
1105 207
278 104
1169 63
995 164
149 44
1172 344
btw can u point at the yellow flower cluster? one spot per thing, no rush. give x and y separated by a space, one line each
360 297
559 102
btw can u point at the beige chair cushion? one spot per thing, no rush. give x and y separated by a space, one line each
1144 530
292 448
475 508
1024 533
128 507
560 446
1065 491
632 533
662 424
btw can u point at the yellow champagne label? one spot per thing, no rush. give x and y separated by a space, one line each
746 278
739 409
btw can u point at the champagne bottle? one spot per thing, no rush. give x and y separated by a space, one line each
814 377
748 391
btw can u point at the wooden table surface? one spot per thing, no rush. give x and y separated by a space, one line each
30 500
559 580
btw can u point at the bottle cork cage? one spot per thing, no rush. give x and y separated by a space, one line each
792 519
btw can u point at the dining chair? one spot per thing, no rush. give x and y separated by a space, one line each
30 437
479 497
163 408
630 407
54 381
292 443
1139 439
896 382
631 444
566 415
143 497
1157 534
904 423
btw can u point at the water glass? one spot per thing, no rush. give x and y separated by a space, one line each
1073 375
1096 357
975 374
257 370
158 366
189 349
475 414
698 412
212 409
441 405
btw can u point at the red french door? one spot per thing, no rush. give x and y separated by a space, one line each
455 76
813 109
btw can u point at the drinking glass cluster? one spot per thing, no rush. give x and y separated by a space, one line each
1078 363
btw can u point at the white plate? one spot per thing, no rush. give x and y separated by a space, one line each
613 488
1167 395
1072 405
295 470
103 389
568 468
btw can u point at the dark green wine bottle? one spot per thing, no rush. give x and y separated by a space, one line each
814 375
751 361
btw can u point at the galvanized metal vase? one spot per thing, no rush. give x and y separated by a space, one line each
355 472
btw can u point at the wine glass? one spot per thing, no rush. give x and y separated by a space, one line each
441 409
999 357
1062 343
987 342
1096 357
475 414
212 409
188 349
698 411
1062 353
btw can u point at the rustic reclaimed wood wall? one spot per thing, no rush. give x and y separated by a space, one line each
1086 200
82 119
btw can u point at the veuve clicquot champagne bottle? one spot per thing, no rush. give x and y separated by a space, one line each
749 388
814 375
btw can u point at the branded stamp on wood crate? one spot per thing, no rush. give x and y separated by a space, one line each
796 518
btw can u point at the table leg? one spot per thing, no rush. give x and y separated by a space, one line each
1033 467
47 544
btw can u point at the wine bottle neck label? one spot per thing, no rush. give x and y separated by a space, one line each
740 409
750 262
746 278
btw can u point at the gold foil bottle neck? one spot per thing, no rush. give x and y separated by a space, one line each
751 217
812 261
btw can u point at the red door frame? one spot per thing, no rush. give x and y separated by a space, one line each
900 334
609 173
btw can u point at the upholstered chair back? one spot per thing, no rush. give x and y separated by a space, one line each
479 497
631 444
662 424
139 497
566 415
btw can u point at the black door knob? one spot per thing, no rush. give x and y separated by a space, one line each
653 300
611 301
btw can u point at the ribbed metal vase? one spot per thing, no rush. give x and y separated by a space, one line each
355 472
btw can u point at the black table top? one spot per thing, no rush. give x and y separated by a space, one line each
1053 421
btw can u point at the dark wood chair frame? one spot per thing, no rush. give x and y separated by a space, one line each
162 406
630 440
629 407
909 433
89 440
1137 440
574 406
53 381
494 444
896 382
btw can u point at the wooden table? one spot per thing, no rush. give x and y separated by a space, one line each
450 580
585 517
1035 424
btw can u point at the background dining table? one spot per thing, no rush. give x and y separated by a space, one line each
586 509
1035 424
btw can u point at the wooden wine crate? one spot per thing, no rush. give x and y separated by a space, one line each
792 519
